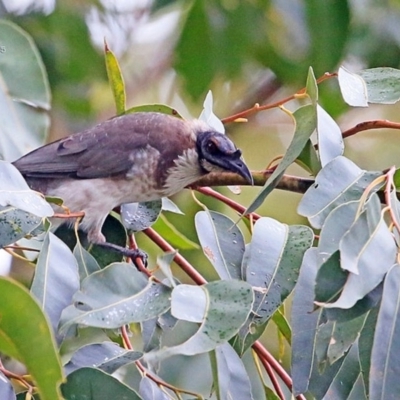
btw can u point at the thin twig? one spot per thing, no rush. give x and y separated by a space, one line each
179 260
264 353
367 125
256 108
272 377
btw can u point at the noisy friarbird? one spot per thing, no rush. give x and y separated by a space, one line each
131 158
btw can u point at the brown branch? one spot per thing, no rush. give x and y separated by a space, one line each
226 200
272 377
288 182
262 352
179 260
367 125
256 108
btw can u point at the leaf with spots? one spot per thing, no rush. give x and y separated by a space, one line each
222 307
117 295
222 243
272 267
137 217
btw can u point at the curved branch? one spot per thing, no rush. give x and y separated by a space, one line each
367 125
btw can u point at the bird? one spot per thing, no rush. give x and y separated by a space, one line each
135 157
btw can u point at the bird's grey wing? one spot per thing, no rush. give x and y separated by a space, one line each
98 152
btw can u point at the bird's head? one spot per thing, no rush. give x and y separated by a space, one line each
217 153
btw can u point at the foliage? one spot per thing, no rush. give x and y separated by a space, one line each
136 333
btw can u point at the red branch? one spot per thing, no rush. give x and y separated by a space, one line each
257 107
367 125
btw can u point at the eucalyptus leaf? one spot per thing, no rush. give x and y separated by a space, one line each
14 191
227 306
305 120
91 383
383 84
117 295
304 323
330 141
139 216
340 181
353 88
106 356
233 379
20 316
56 278
222 243
24 93
385 365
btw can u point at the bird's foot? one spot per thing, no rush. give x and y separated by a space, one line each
133 254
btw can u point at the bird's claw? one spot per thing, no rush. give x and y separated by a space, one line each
133 254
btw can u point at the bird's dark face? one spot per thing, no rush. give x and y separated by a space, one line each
217 152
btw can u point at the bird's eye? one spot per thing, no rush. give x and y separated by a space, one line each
212 147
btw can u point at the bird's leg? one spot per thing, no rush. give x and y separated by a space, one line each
133 254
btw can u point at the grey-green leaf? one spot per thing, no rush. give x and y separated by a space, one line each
305 119
139 216
222 243
91 383
228 304
340 181
383 85
385 363
117 295
56 278
24 93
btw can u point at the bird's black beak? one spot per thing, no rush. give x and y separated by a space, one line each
236 164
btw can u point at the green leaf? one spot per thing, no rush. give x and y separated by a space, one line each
193 59
330 278
335 17
15 224
161 108
345 379
91 383
115 296
308 159
232 377
344 335
222 307
283 325
24 93
222 243
137 217
305 119
106 356
336 224
312 86
20 316
340 181
353 88
175 238
365 344
385 365
208 116
115 79
271 266
383 85
373 258
304 323
87 264
330 141
56 278
6 389
16 192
